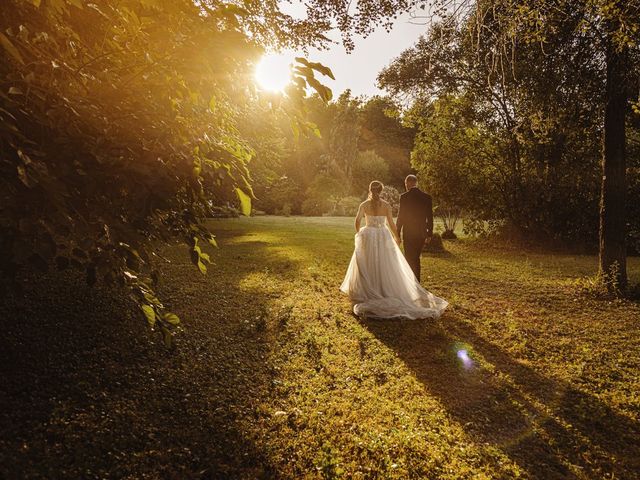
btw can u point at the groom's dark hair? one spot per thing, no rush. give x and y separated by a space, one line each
411 180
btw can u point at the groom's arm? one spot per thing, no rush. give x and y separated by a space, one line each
429 216
400 220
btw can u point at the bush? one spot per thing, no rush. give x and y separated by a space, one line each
283 192
224 211
120 128
434 244
315 207
346 207
285 210
322 195
477 227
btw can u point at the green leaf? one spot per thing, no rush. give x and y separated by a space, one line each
295 128
149 297
301 82
171 318
197 167
10 48
167 337
22 175
149 313
202 267
245 202
212 241
324 92
314 128
318 67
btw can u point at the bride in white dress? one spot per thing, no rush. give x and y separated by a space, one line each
379 281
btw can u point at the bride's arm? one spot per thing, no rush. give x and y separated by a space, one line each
359 216
392 225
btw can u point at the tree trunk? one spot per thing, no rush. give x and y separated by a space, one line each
614 186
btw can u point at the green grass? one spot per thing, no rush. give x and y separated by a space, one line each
273 377
553 390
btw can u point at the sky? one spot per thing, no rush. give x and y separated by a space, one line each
358 70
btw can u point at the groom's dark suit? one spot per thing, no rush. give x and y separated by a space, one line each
415 219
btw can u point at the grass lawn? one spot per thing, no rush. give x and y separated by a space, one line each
525 376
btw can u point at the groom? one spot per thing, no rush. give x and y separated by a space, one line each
415 218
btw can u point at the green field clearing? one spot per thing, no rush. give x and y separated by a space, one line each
273 377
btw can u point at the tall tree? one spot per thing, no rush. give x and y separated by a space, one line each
501 29
616 28
384 132
342 148
613 220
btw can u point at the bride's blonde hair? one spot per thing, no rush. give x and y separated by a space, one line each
375 189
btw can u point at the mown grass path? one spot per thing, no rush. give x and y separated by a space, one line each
274 378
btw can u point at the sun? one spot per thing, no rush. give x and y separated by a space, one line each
273 72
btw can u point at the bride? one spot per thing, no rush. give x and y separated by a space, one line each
379 281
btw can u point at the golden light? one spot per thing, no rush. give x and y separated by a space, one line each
273 72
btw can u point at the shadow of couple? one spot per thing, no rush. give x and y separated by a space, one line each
549 427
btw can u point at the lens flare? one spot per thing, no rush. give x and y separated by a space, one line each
273 72
465 359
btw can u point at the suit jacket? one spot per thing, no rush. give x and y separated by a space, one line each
416 214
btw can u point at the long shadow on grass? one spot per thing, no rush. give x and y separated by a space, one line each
88 392
540 423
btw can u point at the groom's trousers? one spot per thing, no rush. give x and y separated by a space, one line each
412 251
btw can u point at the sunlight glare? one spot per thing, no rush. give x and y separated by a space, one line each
273 72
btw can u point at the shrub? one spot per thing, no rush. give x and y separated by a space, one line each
322 195
434 244
285 210
315 207
346 206
282 192
449 235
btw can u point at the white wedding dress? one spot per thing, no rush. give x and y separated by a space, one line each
380 282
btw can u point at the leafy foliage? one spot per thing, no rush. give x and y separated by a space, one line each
369 166
120 129
509 123
362 139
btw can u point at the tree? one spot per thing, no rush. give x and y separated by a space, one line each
368 166
613 221
616 31
508 38
383 131
519 149
342 145
120 128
